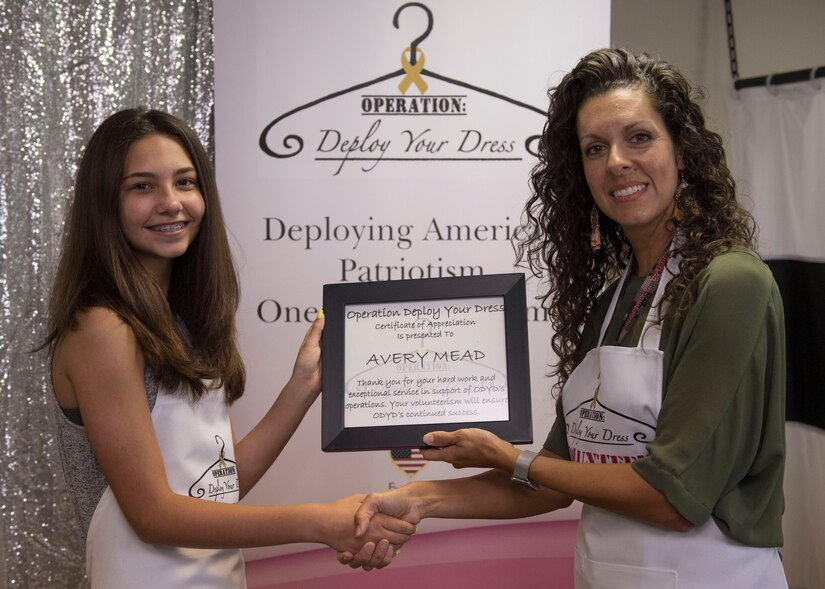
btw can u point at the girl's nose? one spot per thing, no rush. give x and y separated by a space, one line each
168 201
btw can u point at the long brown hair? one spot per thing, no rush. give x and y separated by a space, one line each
556 238
99 268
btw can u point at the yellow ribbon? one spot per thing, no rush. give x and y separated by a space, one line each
413 72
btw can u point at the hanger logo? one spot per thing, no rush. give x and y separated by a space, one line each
417 119
219 482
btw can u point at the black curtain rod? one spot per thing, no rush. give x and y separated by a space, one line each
772 80
783 78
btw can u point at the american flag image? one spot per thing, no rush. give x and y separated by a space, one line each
409 460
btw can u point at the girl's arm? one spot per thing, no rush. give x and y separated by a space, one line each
256 452
100 367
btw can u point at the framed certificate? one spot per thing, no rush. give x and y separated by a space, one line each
402 358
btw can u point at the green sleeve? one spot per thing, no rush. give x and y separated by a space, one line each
719 448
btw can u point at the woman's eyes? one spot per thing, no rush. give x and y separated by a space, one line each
599 148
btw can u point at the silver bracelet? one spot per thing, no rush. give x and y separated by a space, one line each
522 469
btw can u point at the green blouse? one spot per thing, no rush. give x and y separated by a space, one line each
720 441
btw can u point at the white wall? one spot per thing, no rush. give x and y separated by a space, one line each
771 37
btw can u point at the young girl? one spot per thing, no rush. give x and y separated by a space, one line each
145 365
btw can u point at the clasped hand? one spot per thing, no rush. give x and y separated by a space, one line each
375 542
462 448
396 505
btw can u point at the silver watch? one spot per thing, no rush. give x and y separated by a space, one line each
522 469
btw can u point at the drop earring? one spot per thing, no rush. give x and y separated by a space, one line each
680 188
595 232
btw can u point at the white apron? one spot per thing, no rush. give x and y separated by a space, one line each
195 440
617 552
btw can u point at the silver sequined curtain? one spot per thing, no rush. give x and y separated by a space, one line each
65 65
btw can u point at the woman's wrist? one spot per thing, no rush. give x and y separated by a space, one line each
425 498
500 454
509 455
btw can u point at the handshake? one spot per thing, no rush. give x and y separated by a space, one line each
383 523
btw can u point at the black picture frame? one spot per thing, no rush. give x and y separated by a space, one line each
344 300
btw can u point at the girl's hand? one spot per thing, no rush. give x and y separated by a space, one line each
306 374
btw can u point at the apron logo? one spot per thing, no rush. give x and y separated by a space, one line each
598 434
219 481
591 414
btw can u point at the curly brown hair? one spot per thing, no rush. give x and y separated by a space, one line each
556 221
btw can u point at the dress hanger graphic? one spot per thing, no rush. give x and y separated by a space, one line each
207 487
412 70
644 435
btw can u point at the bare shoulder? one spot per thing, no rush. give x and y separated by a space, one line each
100 348
99 322
98 327
99 334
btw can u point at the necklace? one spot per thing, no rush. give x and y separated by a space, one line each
649 287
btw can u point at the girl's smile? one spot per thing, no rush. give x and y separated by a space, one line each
161 206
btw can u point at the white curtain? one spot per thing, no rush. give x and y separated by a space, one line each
778 159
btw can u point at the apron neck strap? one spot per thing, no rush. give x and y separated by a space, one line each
654 284
615 300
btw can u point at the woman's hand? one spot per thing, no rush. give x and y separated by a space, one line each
470 448
396 504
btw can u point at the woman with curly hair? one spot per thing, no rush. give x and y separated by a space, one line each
670 341
145 365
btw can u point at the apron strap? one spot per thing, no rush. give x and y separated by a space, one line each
614 301
652 330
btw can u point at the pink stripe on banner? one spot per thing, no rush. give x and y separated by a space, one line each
535 555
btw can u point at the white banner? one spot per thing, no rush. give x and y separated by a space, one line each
349 149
